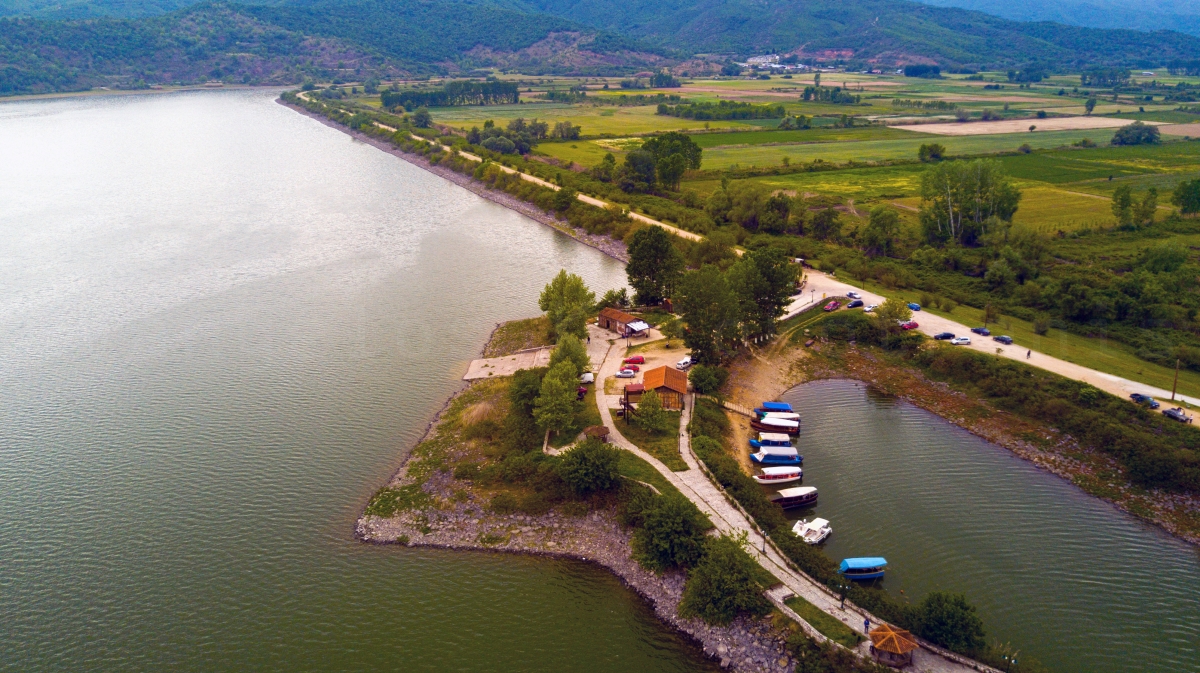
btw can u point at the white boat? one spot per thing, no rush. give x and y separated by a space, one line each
782 415
813 531
769 424
779 475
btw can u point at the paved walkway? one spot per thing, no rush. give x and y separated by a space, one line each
694 484
509 364
821 286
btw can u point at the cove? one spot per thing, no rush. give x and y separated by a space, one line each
1056 573
224 325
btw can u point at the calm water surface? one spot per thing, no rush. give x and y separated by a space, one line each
223 323
1056 573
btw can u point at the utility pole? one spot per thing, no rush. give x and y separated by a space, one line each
1176 383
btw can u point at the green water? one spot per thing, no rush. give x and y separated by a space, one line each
224 323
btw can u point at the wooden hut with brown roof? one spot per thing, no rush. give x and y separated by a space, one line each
892 646
670 384
615 320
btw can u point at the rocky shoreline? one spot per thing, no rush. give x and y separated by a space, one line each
613 248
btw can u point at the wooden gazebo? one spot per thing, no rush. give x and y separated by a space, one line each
892 646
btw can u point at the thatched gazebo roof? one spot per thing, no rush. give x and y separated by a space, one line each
893 640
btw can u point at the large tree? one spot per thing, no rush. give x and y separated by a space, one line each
958 198
668 144
762 280
554 408
654 265
879 236
567 302
710 313
571 349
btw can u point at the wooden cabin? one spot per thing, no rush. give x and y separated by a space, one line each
670 384
617 321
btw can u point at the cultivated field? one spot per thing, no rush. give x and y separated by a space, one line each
1017 126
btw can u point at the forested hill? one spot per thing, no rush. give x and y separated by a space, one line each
1178 15
884 29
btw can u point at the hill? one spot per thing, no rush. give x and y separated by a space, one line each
1176 15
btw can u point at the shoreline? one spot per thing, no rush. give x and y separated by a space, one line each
612 248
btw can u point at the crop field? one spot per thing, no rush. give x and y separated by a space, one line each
594 120
1016 126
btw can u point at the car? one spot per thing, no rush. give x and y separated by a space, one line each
943 336
833 306
854 295
960 341
870 308
587 377
635 360
685 363
911 324
632 367
1177 414
981 331
625 374
1144 399
912 305
855 303
1006 340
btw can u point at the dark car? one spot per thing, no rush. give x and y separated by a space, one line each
1177 414
1144 399
942 336
1006 340
855 304
981 331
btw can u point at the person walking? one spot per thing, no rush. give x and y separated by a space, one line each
866 624
1028 354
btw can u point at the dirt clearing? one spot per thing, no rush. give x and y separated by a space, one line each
1018 126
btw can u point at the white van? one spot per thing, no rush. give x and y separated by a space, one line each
685 363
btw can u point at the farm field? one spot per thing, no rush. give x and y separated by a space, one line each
617 121
1016 126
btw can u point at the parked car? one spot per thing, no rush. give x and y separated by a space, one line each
632 367
981 331
870 308
833 305
855 303
635 360
960 341
911 324
854 295
625 374
685 363
1144 399
912 305
1178 414
587 377
943 336
1006 340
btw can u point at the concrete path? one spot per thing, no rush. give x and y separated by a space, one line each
727 517
509 364
821 286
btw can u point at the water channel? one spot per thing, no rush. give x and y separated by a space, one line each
1056 573
223 324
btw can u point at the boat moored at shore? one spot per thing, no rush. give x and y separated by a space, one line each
776 425
770 439
779 475
812 532
863 568
790 498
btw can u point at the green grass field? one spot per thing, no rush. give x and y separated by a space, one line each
828 625
662 445
594 121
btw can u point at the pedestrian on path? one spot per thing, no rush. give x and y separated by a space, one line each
1027 354
866 624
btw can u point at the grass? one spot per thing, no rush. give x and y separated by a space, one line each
814 135
516 335
1050 209
662 445
829 626
594 121
635 468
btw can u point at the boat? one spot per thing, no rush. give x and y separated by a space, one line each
773 406
863 568
784 415
771 439
776 425
764 458
801 496
812 532
779 475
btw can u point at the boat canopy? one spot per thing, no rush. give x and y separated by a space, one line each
862 563
779 422
818 523
777 406
774 437
799 492
768 450
785 415
781 470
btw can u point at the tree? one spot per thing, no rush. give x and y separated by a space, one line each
567 302
671 535
1165 257
1144 212
669 144
710 314
566 131
638 173
1090 105
723 585
959 198
931 152
879 236
671 328
591 467
670 170
422 119
1137 133
762 280
570 348
1122 205
708 379
650 415
893 312
1187 197
654 265
950 621
826 224
564 198
1000 277
554 408
606 170
614 299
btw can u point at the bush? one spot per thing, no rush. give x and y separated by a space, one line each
671 533
591 467
708 380
650 415
1137 133
1041 324
504 503
722 585
950 621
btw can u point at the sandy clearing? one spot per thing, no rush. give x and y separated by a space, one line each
1191 130
1018 126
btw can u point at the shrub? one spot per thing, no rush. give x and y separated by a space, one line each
591 467
671 534
650 415
1137 133
504 503
722 585
1041 324
950 621
707 379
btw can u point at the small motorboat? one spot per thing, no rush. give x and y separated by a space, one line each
765 458
770 439
784 415
779 475
773 406
776 425
812 532
790 498
864 568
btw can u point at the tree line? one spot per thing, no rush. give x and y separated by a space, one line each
452 94
721 110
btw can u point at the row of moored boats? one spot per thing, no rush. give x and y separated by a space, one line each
780 464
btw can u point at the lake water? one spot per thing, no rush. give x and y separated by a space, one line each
1056 573
223 325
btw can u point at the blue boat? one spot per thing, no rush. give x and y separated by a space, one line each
863 568
774 406
770 439
777 455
